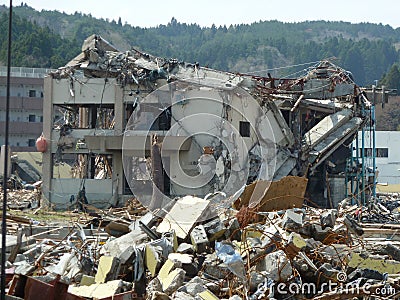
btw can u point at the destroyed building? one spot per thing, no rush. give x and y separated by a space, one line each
160 128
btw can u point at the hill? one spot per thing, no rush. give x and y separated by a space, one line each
52 38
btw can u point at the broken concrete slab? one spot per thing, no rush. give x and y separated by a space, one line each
183 215
380 264
171 277
153 258
107 270
87 280
100 290
183 296
24 268
122 247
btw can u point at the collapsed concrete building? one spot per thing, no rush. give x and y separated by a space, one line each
162 128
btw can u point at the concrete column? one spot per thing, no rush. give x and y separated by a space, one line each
47 166
119 127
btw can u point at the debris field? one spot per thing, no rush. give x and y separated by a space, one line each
298 252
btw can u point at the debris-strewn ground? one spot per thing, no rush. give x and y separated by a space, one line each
128 253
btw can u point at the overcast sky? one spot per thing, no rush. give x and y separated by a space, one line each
224 12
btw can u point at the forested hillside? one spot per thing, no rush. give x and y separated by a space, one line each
369 51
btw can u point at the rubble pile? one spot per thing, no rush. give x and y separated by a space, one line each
23 198
128 253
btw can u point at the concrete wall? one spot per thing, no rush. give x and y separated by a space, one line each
99 192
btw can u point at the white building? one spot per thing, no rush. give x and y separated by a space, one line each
387 145
26 106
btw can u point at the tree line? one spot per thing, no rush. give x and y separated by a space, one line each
369 51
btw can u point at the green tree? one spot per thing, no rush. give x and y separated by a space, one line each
391 80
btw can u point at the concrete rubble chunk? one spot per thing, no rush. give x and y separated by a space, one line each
183 296
256 278
292 221
278 266
295 243
187 262
107 270
328 218
24 268
100 290
214 229
207 295
154 286
212 267
183 216
319 233
171 276
389 249
153 258
199 239
195 286
352 225
87 280
123 247
377 263
185 248
327 273
149 219
159 296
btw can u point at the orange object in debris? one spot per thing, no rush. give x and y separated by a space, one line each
41 144
208 150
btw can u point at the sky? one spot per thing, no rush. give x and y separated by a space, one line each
223 12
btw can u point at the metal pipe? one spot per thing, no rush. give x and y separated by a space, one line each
148 231
373 143
363 166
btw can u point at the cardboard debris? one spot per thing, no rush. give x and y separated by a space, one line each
276 195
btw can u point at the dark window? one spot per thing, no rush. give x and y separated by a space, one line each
32 93
244 128
382 152
32 118
31 143
41 119
163 121
379 152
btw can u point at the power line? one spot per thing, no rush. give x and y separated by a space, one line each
286 67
